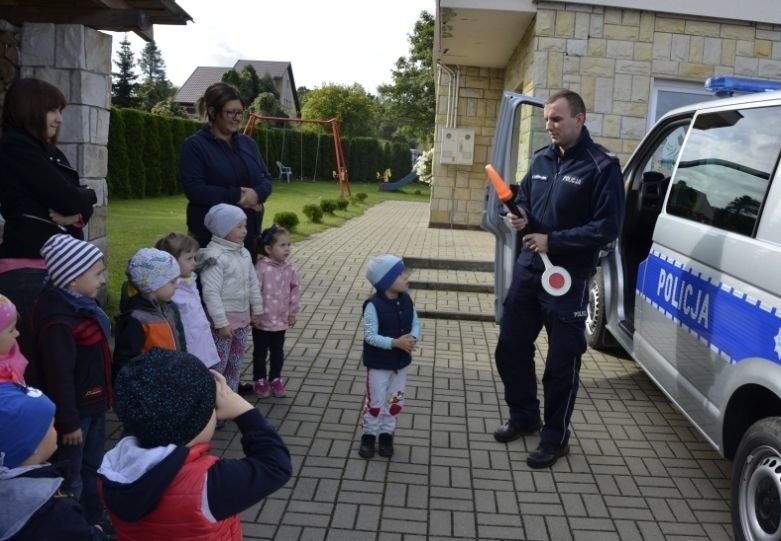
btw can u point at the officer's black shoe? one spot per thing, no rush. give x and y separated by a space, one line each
545 457
367 446
510 431
385 447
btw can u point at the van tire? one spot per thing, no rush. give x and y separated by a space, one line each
756 482
596 333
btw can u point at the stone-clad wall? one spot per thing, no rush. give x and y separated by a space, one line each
611 57
457 190
77 60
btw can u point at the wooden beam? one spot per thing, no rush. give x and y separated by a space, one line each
101 19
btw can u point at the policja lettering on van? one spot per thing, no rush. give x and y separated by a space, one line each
683 296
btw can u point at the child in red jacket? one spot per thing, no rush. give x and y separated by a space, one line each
161 481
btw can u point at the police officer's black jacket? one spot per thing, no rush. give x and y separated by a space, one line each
576 199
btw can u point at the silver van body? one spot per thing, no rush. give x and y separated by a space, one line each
692 287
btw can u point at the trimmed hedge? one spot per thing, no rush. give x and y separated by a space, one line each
143 154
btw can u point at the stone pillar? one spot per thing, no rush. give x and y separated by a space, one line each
10 42
77 60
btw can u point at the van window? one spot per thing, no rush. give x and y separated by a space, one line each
531 137
725 168
662 159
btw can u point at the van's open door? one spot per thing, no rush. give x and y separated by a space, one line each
520 130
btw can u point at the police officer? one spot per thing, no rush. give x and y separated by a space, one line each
571 204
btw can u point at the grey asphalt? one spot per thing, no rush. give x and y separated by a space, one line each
637 469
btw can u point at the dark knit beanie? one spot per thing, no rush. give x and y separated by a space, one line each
165 397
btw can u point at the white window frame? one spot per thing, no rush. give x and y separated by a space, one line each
683 87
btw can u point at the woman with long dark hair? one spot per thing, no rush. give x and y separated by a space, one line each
40 192
40 195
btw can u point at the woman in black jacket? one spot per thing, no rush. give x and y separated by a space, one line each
40 193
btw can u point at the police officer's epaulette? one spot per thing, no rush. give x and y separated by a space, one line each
540 150
604 157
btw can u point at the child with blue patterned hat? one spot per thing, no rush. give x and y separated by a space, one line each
149 317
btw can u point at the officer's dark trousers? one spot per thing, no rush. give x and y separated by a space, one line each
527 309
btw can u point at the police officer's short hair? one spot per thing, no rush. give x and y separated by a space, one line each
576 105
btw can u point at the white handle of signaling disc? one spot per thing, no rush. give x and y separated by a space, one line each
556 280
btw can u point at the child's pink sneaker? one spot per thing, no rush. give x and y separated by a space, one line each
278 388
261 388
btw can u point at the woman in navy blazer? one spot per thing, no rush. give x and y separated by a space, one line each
220 165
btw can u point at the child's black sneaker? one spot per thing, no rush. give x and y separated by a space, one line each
246 389
386 445
367 446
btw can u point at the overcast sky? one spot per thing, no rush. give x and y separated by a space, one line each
337 41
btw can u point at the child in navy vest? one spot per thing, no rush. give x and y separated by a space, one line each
390 335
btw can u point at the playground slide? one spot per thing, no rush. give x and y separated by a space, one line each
393 186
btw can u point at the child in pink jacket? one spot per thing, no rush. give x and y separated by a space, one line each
280 288
12 362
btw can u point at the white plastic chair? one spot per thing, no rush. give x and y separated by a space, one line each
284 171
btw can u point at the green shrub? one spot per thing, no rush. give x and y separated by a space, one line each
354 200
328 205
361 196
314 213
342 204
153 156
135 143
288 220
118 159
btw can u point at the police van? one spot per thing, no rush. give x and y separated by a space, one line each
692 287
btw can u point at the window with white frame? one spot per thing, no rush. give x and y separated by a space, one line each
668 95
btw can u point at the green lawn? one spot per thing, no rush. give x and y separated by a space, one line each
139 223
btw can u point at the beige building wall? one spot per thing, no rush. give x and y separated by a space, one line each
610 56
457 190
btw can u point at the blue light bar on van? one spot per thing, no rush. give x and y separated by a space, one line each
723 85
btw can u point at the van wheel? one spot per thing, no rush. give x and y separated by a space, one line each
596 333
756 482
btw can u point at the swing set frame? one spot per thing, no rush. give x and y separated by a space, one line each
341 163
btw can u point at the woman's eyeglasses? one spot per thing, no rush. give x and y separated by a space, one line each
235 115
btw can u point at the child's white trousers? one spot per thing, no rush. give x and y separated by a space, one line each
384 400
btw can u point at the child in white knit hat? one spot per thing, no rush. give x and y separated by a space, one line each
73 361
390 335
229 287
149 318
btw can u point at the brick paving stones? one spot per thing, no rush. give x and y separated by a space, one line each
637 469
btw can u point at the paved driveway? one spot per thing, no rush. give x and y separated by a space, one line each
637 470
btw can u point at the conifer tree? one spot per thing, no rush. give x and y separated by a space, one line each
155 87
124 86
